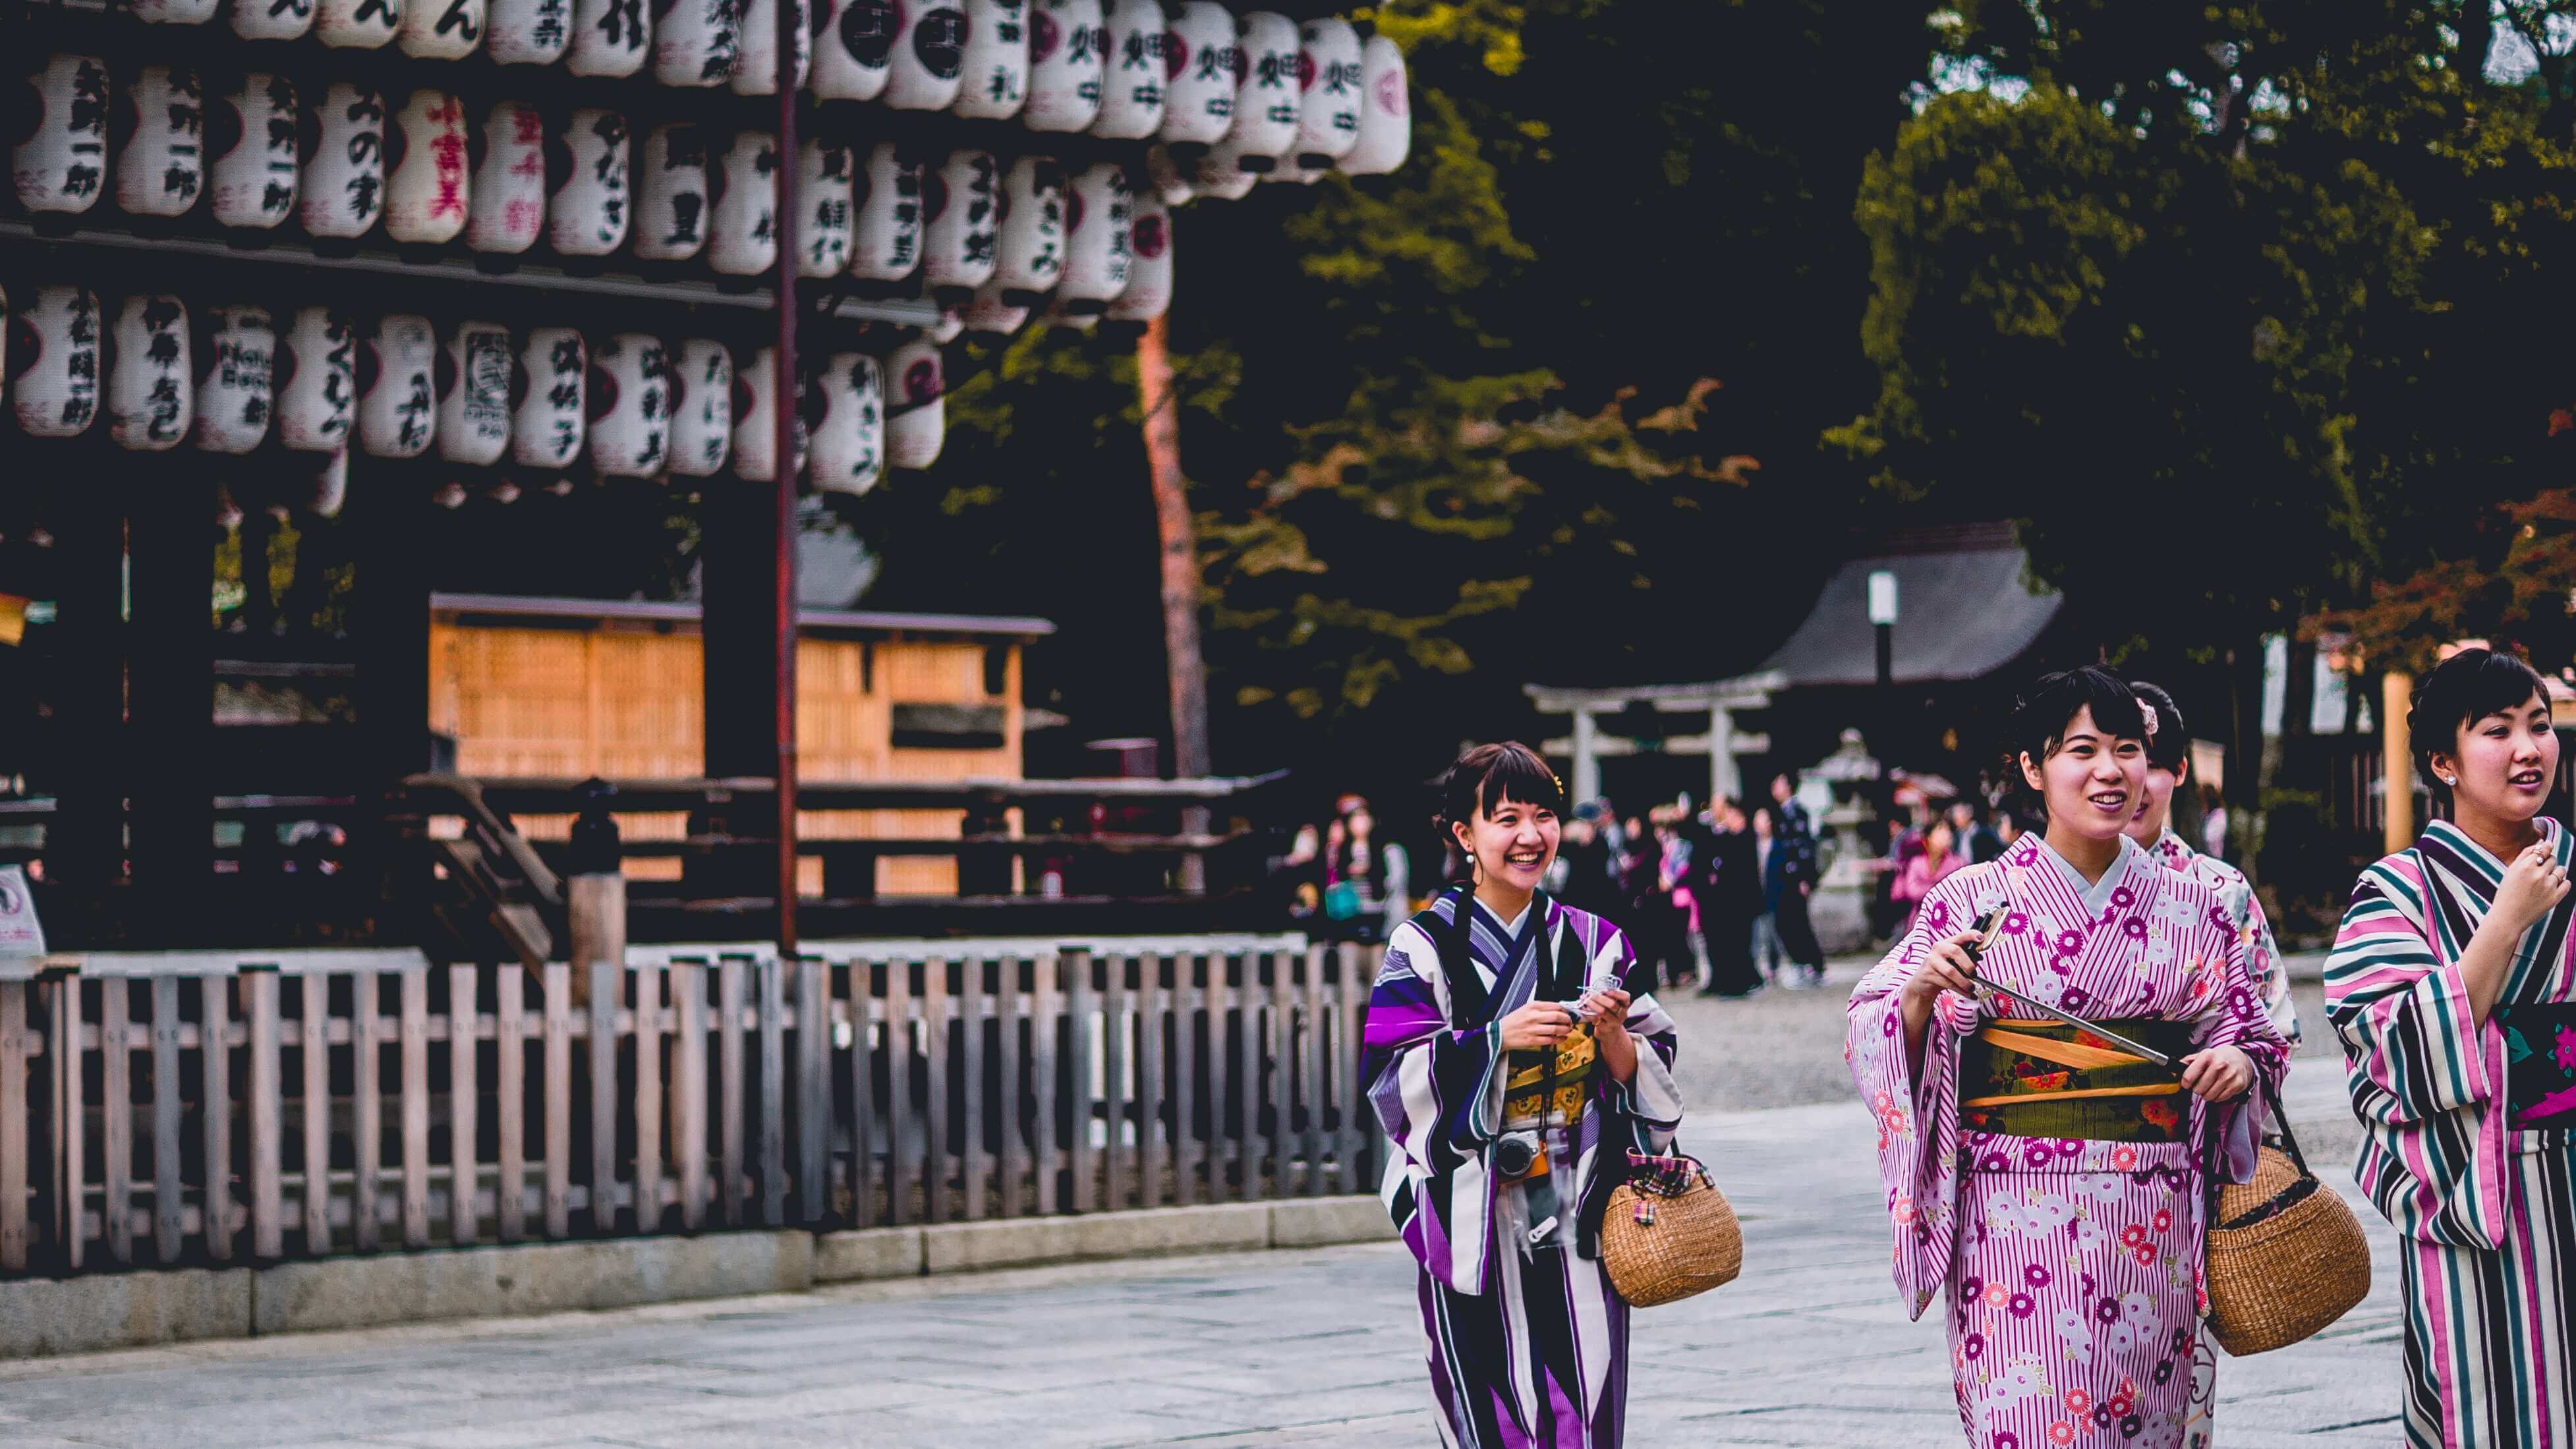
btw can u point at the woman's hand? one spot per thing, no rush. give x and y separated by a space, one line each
2533 886
2218 1074
1945 969
1536 1024
1610 1032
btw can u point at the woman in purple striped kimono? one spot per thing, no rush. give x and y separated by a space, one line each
2047 1177
1514 1072
2453 987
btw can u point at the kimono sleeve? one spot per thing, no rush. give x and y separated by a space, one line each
2234 1014
2271 975
1653 1100
1917 1116
2409 1037
1438 1094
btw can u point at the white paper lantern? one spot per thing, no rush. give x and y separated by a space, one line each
474 377
755 61
885 227
993 312
61 165
342 192
586 215
272 19
441 29
232 391
527 32
1067 47
630 406
55 363
671 195
1166 177
742 239
1204 58
854 49
173 12
1032 229
161 167
316 381
547 389
1131 92
848 447
701 408
506 210
253 136
427 189
150 382
397 372
1386 112
916 404
822 209
928 56
1099 216
755 414
330 487
358 24
1267 107
961 222
695 42
1221 175
1328 115
609 37
1149 264
995 83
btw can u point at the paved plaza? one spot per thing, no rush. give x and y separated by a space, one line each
1316 1347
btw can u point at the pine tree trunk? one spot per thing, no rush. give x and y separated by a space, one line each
1180 551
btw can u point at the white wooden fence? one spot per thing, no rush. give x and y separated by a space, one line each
368 1101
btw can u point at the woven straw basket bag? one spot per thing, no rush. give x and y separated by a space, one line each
2286 1255
1668 1232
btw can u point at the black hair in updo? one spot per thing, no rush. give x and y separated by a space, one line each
2172 741
1487 775
2461 690
2053 700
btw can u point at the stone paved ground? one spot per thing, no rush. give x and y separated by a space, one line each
1809 1348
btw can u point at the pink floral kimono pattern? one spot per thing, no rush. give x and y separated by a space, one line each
2073 1267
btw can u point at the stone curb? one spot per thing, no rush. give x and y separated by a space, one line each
47 1316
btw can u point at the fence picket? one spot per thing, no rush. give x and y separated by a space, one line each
366 1120
267 1226
729 1073
689 1091
934 1037
313 1042
1315 1067
607 993
509 1033
1280 1071
415 1106
15 1041
1006 1106
72 1123
1078 1040
903 1164
169 1198
1046 1188
769 978
648 1098
1241 1058
1187 1146
1350 1000
813 1091
215 1107
558 1090
863 1173
970 1106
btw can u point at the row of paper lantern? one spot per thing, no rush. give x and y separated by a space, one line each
637 407
1194 75
969 219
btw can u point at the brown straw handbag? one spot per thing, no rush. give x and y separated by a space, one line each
2286 1255
1668 1232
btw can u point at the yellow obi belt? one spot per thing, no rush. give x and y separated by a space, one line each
2048 1079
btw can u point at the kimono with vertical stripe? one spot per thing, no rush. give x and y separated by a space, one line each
2263 964
1527 1344
2486 1209
2072 1267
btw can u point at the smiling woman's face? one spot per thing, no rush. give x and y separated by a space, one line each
2093 780
1512 844
2502 765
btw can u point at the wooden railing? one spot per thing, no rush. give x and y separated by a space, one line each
181 1109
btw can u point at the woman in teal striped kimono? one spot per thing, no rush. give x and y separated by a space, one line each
2452 988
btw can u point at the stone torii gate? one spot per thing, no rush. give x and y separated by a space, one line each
1719 701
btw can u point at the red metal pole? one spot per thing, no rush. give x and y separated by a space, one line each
783 681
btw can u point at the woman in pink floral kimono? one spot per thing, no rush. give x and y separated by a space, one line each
2048 1179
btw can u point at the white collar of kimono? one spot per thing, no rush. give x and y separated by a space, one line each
2094 894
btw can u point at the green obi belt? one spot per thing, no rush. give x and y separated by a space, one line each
2047 1079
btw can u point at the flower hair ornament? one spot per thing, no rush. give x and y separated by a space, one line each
2149 715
